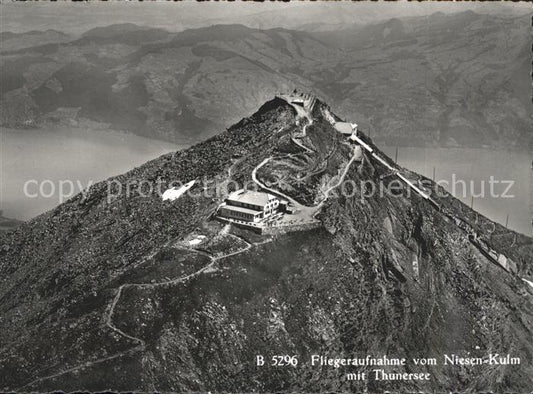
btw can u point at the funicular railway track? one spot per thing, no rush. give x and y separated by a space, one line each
498 259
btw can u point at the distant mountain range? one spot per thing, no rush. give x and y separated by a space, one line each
438 80
77 17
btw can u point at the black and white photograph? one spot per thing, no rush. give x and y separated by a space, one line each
266 196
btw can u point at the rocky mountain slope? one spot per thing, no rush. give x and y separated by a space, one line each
440 80
107 291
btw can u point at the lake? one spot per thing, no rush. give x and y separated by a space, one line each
43 158
465 172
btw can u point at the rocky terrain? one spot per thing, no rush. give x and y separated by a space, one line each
458 79
108 291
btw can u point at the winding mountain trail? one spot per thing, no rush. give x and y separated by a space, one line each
141 344
312 210
304 133
356 156
307 149
273 191
303 113
315 208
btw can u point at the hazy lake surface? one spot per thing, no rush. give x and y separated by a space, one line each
48 156
475 167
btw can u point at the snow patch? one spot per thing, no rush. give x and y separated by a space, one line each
175 192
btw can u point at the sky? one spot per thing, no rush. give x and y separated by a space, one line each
77 17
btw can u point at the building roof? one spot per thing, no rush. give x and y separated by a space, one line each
241 209
251 197
344 127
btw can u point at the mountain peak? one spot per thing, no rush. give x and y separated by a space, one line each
336 250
